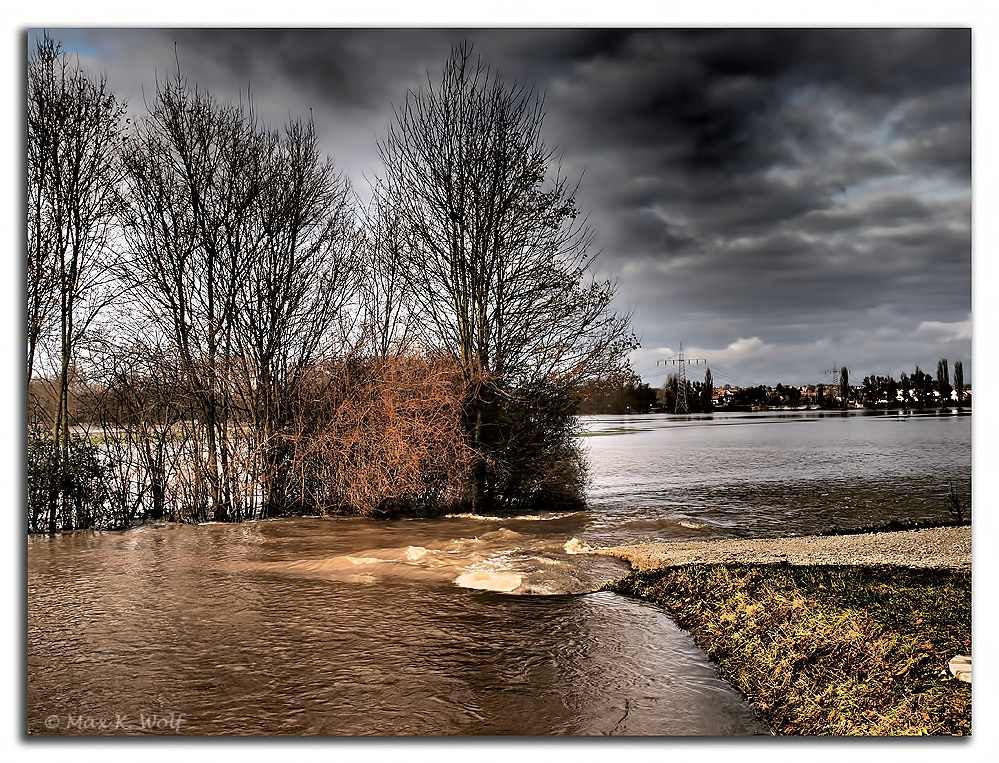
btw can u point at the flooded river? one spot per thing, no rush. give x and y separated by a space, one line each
461 625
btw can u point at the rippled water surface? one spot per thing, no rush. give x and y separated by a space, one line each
461 625
758 474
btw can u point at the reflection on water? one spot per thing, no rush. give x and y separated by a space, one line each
463 625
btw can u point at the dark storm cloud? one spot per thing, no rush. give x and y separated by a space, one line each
355 69
793 185
800 195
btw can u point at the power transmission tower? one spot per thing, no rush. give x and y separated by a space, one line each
681 364
833 374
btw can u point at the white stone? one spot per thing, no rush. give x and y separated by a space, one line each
960 667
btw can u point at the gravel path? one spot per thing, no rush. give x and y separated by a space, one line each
947 547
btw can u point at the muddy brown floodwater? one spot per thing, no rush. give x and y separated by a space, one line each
354 627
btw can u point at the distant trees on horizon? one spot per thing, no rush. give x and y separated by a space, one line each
915 390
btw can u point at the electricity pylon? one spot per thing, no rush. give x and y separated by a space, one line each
833 374
681 383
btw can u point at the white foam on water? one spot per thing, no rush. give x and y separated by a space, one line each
540 589
318 566
469 515
456 545
489 580
511 518
363 578
691 525
499 560
546 561
503 533
414 553
356 560
577 546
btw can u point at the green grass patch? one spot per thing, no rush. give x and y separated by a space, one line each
828 649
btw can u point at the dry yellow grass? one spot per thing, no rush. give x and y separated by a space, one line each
828 650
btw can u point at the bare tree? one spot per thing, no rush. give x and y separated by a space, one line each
269 351
497 258
73 139
386 297
293 304
196 171
245 256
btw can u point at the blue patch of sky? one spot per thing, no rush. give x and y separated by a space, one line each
927 188
74 41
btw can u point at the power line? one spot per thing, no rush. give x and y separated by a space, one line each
733 381
717 372
681 364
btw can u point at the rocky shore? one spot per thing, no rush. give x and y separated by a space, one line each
937 547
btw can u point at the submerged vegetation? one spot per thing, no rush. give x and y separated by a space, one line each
219 332
828 649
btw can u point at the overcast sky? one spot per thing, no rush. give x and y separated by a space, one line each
781 201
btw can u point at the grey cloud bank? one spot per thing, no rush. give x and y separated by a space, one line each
779 200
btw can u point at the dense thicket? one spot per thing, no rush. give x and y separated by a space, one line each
230 336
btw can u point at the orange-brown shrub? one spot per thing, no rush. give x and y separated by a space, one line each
379 436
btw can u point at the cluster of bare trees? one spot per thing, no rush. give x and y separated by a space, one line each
214 323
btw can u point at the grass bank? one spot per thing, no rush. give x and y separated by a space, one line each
828 649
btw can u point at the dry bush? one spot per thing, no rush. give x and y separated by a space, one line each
381 436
